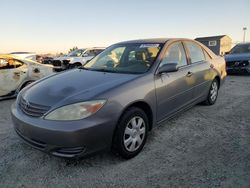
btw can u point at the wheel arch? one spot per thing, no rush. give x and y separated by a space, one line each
24 84
143 106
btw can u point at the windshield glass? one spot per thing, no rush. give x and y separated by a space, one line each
76 53
126 58
240 49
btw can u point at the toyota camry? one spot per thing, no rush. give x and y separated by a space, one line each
113 101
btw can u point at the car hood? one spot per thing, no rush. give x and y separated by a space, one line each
237 57
74 86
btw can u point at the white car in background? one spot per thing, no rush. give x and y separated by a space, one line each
76 58
16 73
25 55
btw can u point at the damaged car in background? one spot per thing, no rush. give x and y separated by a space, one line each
76 58
16 73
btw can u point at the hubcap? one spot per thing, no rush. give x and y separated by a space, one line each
213 91
134 134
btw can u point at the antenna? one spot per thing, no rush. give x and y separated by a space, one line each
244 34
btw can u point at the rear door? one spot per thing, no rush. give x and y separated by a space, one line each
200 67
12 73
174 90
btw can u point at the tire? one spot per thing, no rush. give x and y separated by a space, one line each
133 130
213 93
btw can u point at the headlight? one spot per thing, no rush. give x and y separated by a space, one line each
75 111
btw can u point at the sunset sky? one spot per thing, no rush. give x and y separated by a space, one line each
44 26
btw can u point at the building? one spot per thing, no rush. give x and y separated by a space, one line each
218 44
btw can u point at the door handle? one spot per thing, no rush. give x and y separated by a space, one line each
189 74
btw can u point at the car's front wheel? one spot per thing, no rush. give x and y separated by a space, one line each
131 133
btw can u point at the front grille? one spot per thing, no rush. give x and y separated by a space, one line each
31 109
57 63
237 63
65 62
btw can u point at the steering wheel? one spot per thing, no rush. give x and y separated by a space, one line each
110 64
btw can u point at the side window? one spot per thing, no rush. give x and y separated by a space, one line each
90 52
195 51
175 54
10 63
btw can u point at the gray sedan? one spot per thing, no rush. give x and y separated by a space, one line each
113 101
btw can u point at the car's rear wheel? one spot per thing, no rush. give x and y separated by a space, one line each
131 133
213 93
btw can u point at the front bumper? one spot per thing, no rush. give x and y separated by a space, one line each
68 139
60 65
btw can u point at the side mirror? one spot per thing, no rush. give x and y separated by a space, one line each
169 67
85 55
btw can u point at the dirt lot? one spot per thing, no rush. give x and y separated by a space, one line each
207 146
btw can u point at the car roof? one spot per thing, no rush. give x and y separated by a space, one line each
7 56
101 48
13 56
154 40
22 52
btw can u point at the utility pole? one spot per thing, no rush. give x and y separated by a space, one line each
244 34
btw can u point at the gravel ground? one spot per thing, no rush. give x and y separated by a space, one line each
206 146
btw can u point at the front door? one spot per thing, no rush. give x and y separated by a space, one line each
174 90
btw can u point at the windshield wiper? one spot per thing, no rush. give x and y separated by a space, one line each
99 70
103 70
111 71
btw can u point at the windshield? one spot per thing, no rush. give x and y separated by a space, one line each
240 49
126 58
76 53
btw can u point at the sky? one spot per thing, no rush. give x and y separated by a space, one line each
53 26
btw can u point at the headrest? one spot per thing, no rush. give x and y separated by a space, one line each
140 56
